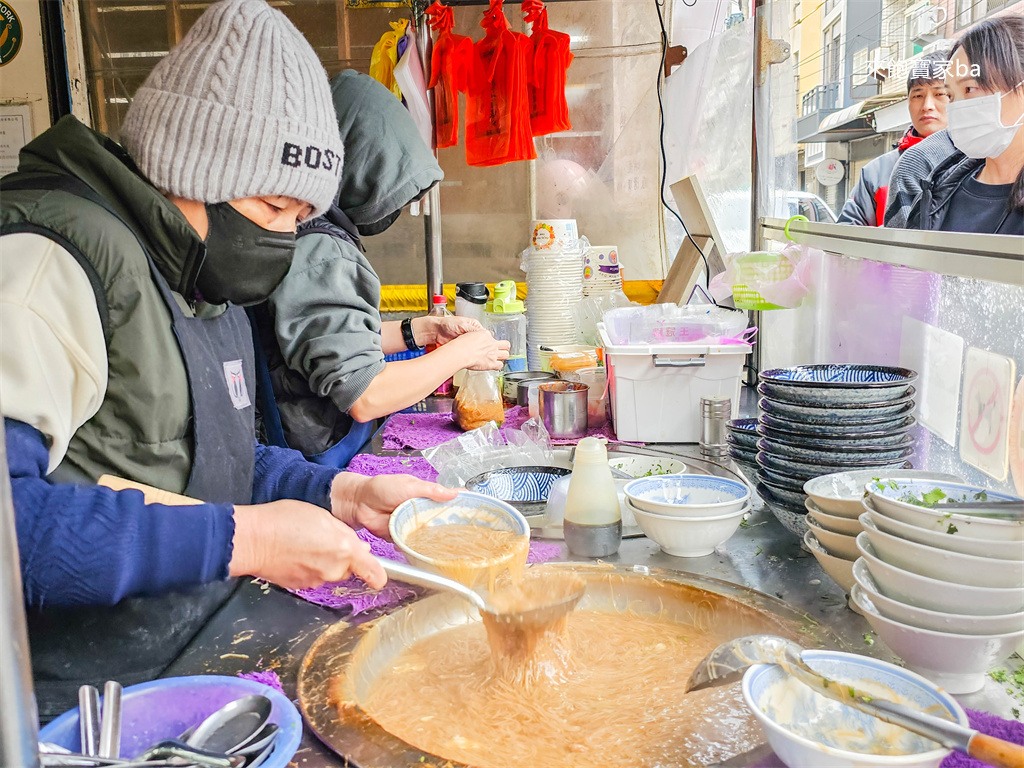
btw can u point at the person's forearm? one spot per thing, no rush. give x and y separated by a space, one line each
281 473
391 340
405 383
94 546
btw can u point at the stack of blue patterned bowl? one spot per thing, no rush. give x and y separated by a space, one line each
742 440
818 419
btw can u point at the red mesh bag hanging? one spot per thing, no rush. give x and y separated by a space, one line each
550 58
450 66
497 103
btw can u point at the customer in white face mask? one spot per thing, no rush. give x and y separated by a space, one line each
980 187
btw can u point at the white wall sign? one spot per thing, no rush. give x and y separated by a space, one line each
937 356
15 133
830 172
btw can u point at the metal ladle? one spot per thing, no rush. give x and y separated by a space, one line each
541 614
727 663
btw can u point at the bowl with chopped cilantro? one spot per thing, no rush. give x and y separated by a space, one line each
933 506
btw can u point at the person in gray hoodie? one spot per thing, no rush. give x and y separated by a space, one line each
321 331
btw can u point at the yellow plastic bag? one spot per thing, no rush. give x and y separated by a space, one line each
385 57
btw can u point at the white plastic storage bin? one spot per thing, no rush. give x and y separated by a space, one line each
655 389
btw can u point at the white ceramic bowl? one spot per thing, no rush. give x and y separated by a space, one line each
888 501
688 536
688 495
848 525
935 620
950 539
837 544
956 662
763 685
647 466
942 564
840 570
935 595
840 493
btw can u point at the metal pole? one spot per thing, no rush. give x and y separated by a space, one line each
18 736
757 17
432 201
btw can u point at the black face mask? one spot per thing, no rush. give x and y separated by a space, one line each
378 226
244 262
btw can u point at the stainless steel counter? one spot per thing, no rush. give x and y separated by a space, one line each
263 627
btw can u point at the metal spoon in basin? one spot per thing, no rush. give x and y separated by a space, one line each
727 663
233 725
540 614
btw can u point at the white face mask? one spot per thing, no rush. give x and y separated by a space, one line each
976 127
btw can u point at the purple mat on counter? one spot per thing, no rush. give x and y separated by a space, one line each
425 430
370 465
352 593
1008 730
992 725
266 676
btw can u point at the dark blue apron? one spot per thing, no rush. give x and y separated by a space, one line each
137 639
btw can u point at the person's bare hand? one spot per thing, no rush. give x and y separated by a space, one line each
367 502
450 328
481 352
440 330
299 546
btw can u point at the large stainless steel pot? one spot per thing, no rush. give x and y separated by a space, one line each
344 663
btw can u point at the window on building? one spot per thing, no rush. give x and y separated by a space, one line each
833 53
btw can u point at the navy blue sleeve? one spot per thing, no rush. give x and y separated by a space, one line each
94 546
282 473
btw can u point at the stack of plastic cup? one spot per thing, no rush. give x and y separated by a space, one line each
554 278
601 274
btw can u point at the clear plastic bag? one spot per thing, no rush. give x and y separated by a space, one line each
479 401
487 448
767 280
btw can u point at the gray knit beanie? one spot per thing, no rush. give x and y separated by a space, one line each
240 108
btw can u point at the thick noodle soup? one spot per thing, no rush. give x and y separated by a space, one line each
613 695
461 551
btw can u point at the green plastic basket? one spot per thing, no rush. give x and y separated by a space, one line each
760 267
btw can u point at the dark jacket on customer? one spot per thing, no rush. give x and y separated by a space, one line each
930 208
914 166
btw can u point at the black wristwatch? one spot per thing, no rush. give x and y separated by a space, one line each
408 337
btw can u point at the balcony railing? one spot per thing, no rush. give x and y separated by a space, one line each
821 98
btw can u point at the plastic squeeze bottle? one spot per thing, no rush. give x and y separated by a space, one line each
593 521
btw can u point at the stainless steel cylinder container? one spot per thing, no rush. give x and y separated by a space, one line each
563 409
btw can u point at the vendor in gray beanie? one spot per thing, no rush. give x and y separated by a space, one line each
126 360
240 108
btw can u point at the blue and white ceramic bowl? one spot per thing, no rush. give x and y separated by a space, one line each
466 509
831 384
853 414
834 454
852 442
795 499
743 455
743 432
798 722
790 482
688 495
883 429
525 488
793 519
808 470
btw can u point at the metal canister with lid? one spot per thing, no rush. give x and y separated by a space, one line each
715 412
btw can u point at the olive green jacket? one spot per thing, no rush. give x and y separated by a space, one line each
143 429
